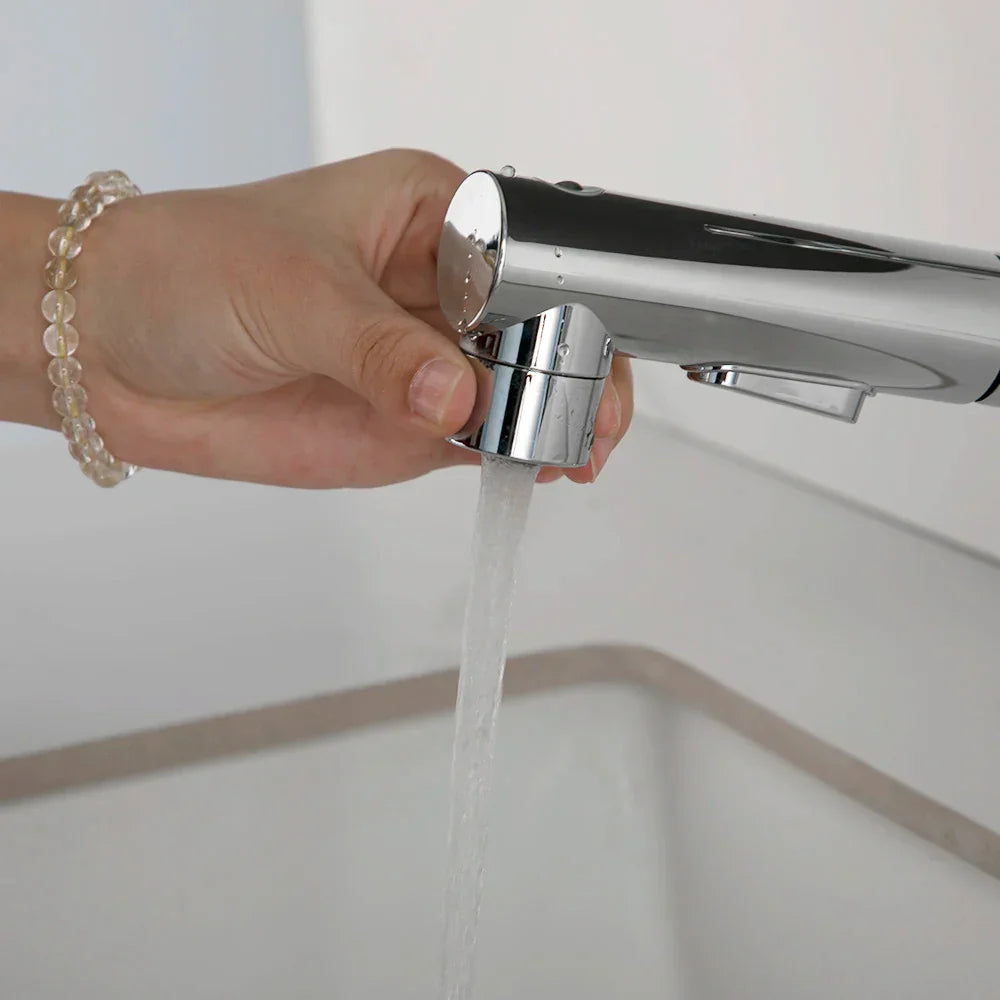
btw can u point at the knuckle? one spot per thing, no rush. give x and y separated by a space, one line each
376 358
268 298
415 158
421 165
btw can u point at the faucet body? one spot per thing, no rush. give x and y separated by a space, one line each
818 318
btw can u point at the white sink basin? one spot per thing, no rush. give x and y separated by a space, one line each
639 849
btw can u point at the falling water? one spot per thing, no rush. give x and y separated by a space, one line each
504 497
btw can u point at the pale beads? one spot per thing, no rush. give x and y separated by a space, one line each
77 213
78 428
63 242
112 184
70 401
95 461
64 371
60 273
60 340
89 449
102 179
88 200
58 306
110 473
103 475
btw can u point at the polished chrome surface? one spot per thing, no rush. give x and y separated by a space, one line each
540 383
832 399
767 302
871 253
470 252
568 340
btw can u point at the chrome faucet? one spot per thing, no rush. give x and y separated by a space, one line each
545 281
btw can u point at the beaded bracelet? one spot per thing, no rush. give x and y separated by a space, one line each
61 339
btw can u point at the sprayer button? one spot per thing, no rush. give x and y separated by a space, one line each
574 187
830 396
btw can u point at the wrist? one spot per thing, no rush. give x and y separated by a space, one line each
25 395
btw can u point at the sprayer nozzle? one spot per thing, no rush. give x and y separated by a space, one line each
540 383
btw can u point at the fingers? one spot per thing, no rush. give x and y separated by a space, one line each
402 366
350 316
621 368
606 427
609 413
312 433
614 415
410 272
548 475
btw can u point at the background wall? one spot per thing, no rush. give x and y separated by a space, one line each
878 116
177 95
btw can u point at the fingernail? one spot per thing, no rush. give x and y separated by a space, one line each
432 389
548 476
618 409
609 416
599 454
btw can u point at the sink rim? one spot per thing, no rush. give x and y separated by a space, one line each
148 751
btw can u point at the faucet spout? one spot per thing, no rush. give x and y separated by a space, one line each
540 384
817 318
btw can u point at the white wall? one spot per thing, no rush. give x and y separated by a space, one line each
177 95
874 115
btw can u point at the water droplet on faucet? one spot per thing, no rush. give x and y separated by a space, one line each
562 350
559 279
507 171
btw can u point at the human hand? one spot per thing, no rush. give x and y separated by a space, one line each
287 331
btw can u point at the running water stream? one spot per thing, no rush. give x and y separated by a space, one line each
504 498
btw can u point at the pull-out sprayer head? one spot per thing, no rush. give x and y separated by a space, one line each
535 276
540 382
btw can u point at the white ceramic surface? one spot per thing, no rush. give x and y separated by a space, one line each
639 850
181 598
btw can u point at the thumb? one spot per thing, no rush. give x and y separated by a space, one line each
405 368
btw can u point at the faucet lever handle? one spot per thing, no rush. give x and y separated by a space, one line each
828 396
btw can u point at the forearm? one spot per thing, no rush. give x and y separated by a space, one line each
25 395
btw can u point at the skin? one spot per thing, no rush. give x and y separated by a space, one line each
284 332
